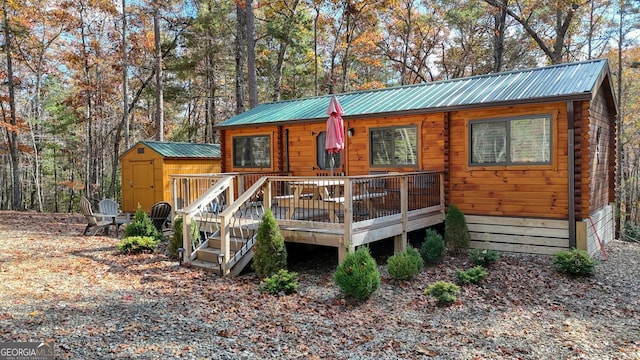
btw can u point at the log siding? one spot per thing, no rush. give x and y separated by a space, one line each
599 180
537 191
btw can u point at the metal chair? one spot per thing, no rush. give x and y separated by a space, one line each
93 223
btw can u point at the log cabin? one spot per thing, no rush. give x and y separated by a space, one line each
527 155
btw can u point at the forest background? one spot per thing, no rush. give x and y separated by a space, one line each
83 80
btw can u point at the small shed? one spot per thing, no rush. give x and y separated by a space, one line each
146 167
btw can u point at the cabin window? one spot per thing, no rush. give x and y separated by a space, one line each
515 141
252 151
394 146
322 155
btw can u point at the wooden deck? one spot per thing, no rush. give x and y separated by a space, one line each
341 212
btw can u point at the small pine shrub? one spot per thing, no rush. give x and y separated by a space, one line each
282 281
472 276
456 231
176 238
575 262
484 257
405 265
433 247
358 275
444 292
141 225
271 253
137 244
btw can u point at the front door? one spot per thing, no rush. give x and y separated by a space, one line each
142 184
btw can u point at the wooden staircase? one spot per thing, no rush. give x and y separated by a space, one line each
207 257
220 231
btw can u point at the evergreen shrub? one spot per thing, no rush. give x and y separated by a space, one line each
271 253
472 276
433 247
575 262
141 225
176 239
456 231
137 244
484 257
282 281
444 292
358 275
405 265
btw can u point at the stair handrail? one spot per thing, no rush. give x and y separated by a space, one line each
226 216
225 183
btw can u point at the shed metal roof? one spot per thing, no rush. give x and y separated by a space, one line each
183 149
558 82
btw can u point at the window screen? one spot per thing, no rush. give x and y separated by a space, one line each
252 151
523 140
394 146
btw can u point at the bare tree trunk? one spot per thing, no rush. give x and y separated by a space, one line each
316 6
159 83
125 77
563 17
347 47
240 55
36 117
14 152
282 51
251 56
210 109
618 186
90 175
500 21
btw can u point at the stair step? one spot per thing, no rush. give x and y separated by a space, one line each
235 244
209 255
206 265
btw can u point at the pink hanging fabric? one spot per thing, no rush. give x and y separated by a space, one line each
334 141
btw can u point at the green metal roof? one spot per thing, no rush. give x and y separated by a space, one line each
571 81
183 149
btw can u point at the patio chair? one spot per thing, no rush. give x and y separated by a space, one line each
93 223
159 215
110 208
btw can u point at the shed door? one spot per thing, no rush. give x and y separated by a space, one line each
142 184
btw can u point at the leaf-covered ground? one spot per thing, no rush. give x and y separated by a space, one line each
90 302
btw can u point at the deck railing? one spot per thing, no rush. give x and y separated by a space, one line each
364 197
201 217
339 204
185 189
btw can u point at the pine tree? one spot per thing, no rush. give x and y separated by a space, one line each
271 253
456 231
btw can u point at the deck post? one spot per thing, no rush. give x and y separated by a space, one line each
174 196
400 241
348 245
266 197
186 237
442 195
225 242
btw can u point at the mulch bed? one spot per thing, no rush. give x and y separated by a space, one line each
79 294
